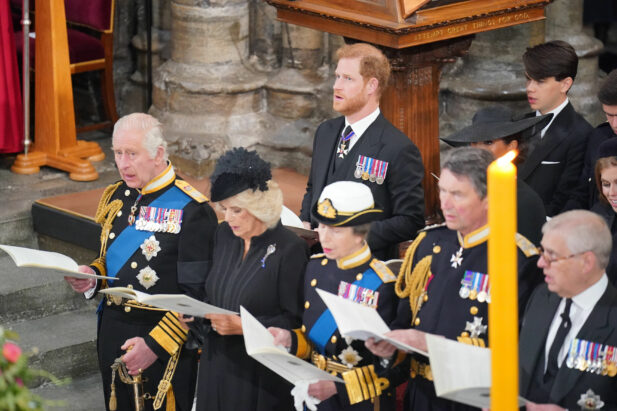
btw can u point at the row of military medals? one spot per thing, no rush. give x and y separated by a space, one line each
474 286
592 357
156 219
371 169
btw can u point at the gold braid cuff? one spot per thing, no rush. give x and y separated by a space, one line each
412 283
169 333
362 383
106 212
165 388
304 345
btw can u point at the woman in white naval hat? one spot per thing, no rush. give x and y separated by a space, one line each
344 211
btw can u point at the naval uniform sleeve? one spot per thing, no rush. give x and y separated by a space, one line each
195 247
195 244
404 183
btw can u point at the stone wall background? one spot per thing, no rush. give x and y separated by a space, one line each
227 73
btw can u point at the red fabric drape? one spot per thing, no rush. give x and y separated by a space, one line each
11 112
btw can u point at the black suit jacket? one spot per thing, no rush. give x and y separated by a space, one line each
553 168
600 327
400 196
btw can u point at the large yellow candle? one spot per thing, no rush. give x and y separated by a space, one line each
502 271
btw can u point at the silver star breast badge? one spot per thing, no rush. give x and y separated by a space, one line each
476 328
150 247
147 277
590 401
457 258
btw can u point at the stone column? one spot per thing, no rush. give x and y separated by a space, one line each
491 73
565 22
208 95
298 97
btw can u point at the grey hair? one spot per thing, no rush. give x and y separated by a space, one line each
150 126
469 162
362 229
583 231
266 206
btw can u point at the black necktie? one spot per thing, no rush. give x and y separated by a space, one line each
343 146
552 365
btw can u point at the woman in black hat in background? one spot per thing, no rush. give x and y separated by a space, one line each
259 264
498 130
606 206
347 267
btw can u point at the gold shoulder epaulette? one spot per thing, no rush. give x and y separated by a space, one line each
319 255
191 191
382 270
527 247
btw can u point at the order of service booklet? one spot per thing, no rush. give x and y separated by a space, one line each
359 321
259 344
461 372
55 262
180 303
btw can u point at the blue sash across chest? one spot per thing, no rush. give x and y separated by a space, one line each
130 238
325 325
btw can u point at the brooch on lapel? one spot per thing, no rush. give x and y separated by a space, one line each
270 250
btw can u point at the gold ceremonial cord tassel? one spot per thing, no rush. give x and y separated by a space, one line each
412 283
165 388
136 382
105 214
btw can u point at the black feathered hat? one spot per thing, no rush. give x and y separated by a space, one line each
495 122
237 170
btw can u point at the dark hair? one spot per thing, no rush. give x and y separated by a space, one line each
469 162
608 90
552 59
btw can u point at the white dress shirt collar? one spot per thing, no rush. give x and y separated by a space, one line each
555 112
360 126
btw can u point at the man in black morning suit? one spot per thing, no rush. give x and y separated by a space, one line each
555 161
568 340
363 146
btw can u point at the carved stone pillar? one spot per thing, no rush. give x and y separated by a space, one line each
208 95
565 22
298 97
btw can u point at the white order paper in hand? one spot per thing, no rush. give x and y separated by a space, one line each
359 321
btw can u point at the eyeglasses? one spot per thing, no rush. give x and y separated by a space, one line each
549 260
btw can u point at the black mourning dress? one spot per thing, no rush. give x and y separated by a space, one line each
271 290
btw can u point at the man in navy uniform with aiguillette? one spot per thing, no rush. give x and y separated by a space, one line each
157 234
363 146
